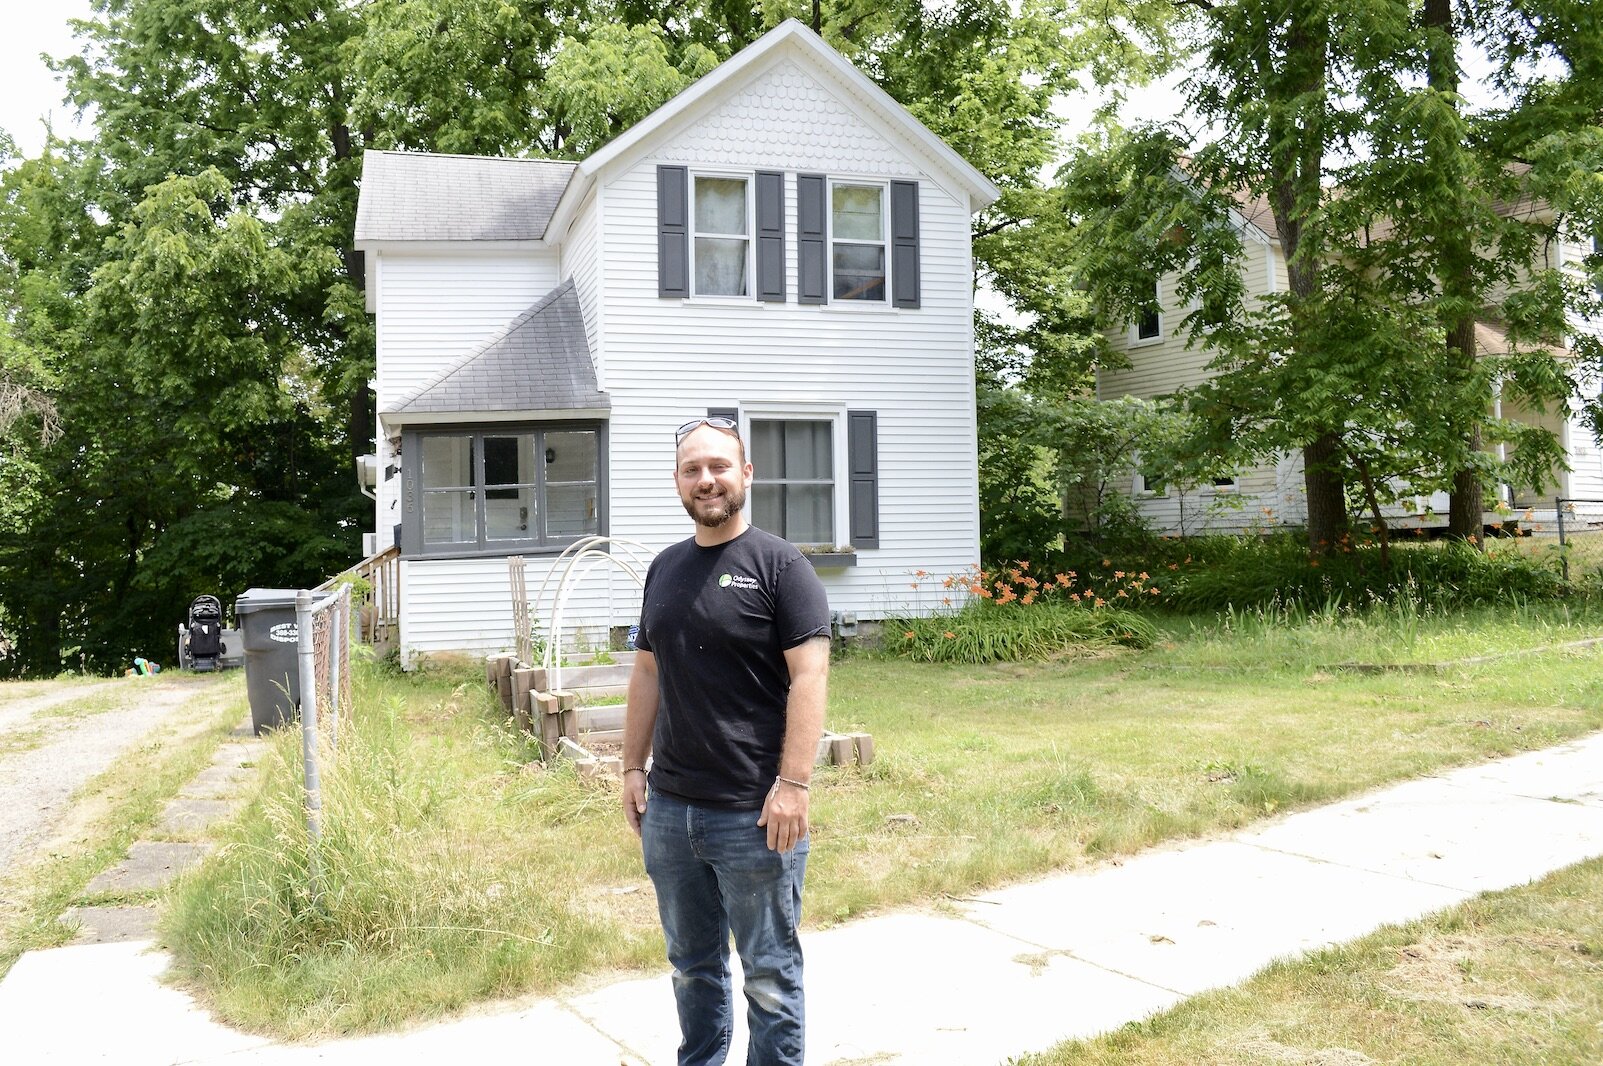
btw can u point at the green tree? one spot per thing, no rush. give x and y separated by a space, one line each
1386 196
184 288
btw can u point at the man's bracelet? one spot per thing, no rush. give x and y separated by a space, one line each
799 784
629 769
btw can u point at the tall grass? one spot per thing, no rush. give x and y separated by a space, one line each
983 632
439 884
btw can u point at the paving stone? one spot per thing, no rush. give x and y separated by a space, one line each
148 865
193 815
219 782
112 925
237 753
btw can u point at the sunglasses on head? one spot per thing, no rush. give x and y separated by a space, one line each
728 425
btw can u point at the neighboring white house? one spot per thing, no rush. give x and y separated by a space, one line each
781 242
1258 498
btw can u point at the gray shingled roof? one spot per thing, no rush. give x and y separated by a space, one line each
414 196
539 362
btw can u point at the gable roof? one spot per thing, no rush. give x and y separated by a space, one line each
790 39
539 362
420 196
793 37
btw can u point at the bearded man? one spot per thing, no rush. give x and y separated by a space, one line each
727 700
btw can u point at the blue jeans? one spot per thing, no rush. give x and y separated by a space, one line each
714 875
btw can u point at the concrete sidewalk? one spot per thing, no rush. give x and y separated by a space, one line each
1012 971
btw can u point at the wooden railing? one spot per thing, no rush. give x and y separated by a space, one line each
377 612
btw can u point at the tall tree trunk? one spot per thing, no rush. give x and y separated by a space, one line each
1455 275
1296 159
1327 493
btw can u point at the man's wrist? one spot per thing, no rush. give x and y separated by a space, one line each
634 769
791 781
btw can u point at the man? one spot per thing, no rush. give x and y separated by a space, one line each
727 697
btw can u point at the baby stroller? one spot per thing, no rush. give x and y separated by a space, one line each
202 639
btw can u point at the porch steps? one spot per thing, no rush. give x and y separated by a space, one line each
565 724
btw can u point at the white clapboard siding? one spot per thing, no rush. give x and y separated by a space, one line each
465 605
432 309
1264 497
580 261
670 359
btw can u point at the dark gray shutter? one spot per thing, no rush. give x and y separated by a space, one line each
862 462
411 524
771 236
673 232
812 239
904 244
731 413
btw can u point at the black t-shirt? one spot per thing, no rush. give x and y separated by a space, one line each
719 621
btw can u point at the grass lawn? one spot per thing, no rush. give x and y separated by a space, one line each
1508 979
457 872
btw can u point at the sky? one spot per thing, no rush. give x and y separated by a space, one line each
29 92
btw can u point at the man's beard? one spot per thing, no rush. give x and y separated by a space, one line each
733 502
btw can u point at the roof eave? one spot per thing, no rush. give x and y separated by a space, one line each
442 418
460 245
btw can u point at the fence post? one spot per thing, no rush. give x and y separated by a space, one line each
334 635
314 791
1563 556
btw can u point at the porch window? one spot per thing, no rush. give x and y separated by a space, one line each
491 491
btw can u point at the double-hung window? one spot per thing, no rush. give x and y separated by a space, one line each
721 219
502 489
793 488
1149 323
857 239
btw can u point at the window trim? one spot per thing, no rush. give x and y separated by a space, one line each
749 178
1142 487
1136 340
412 490
840 468
884 303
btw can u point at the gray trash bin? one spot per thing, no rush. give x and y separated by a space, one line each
272 648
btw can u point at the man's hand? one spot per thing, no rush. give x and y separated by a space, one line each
785 815
634 798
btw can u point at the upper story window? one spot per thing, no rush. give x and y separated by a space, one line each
857 239
1149 324
523 488
721 218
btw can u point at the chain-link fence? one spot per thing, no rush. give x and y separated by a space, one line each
331 659
324 626
1566 526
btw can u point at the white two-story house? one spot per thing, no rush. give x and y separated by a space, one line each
781 242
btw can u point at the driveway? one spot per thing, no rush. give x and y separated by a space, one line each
57 737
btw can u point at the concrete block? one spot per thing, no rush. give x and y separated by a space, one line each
182 816
112 925
149 865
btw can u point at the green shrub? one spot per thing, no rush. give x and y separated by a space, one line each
984 632
1215 573
1281 570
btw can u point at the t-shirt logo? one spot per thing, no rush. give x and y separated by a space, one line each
724 581
739 581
